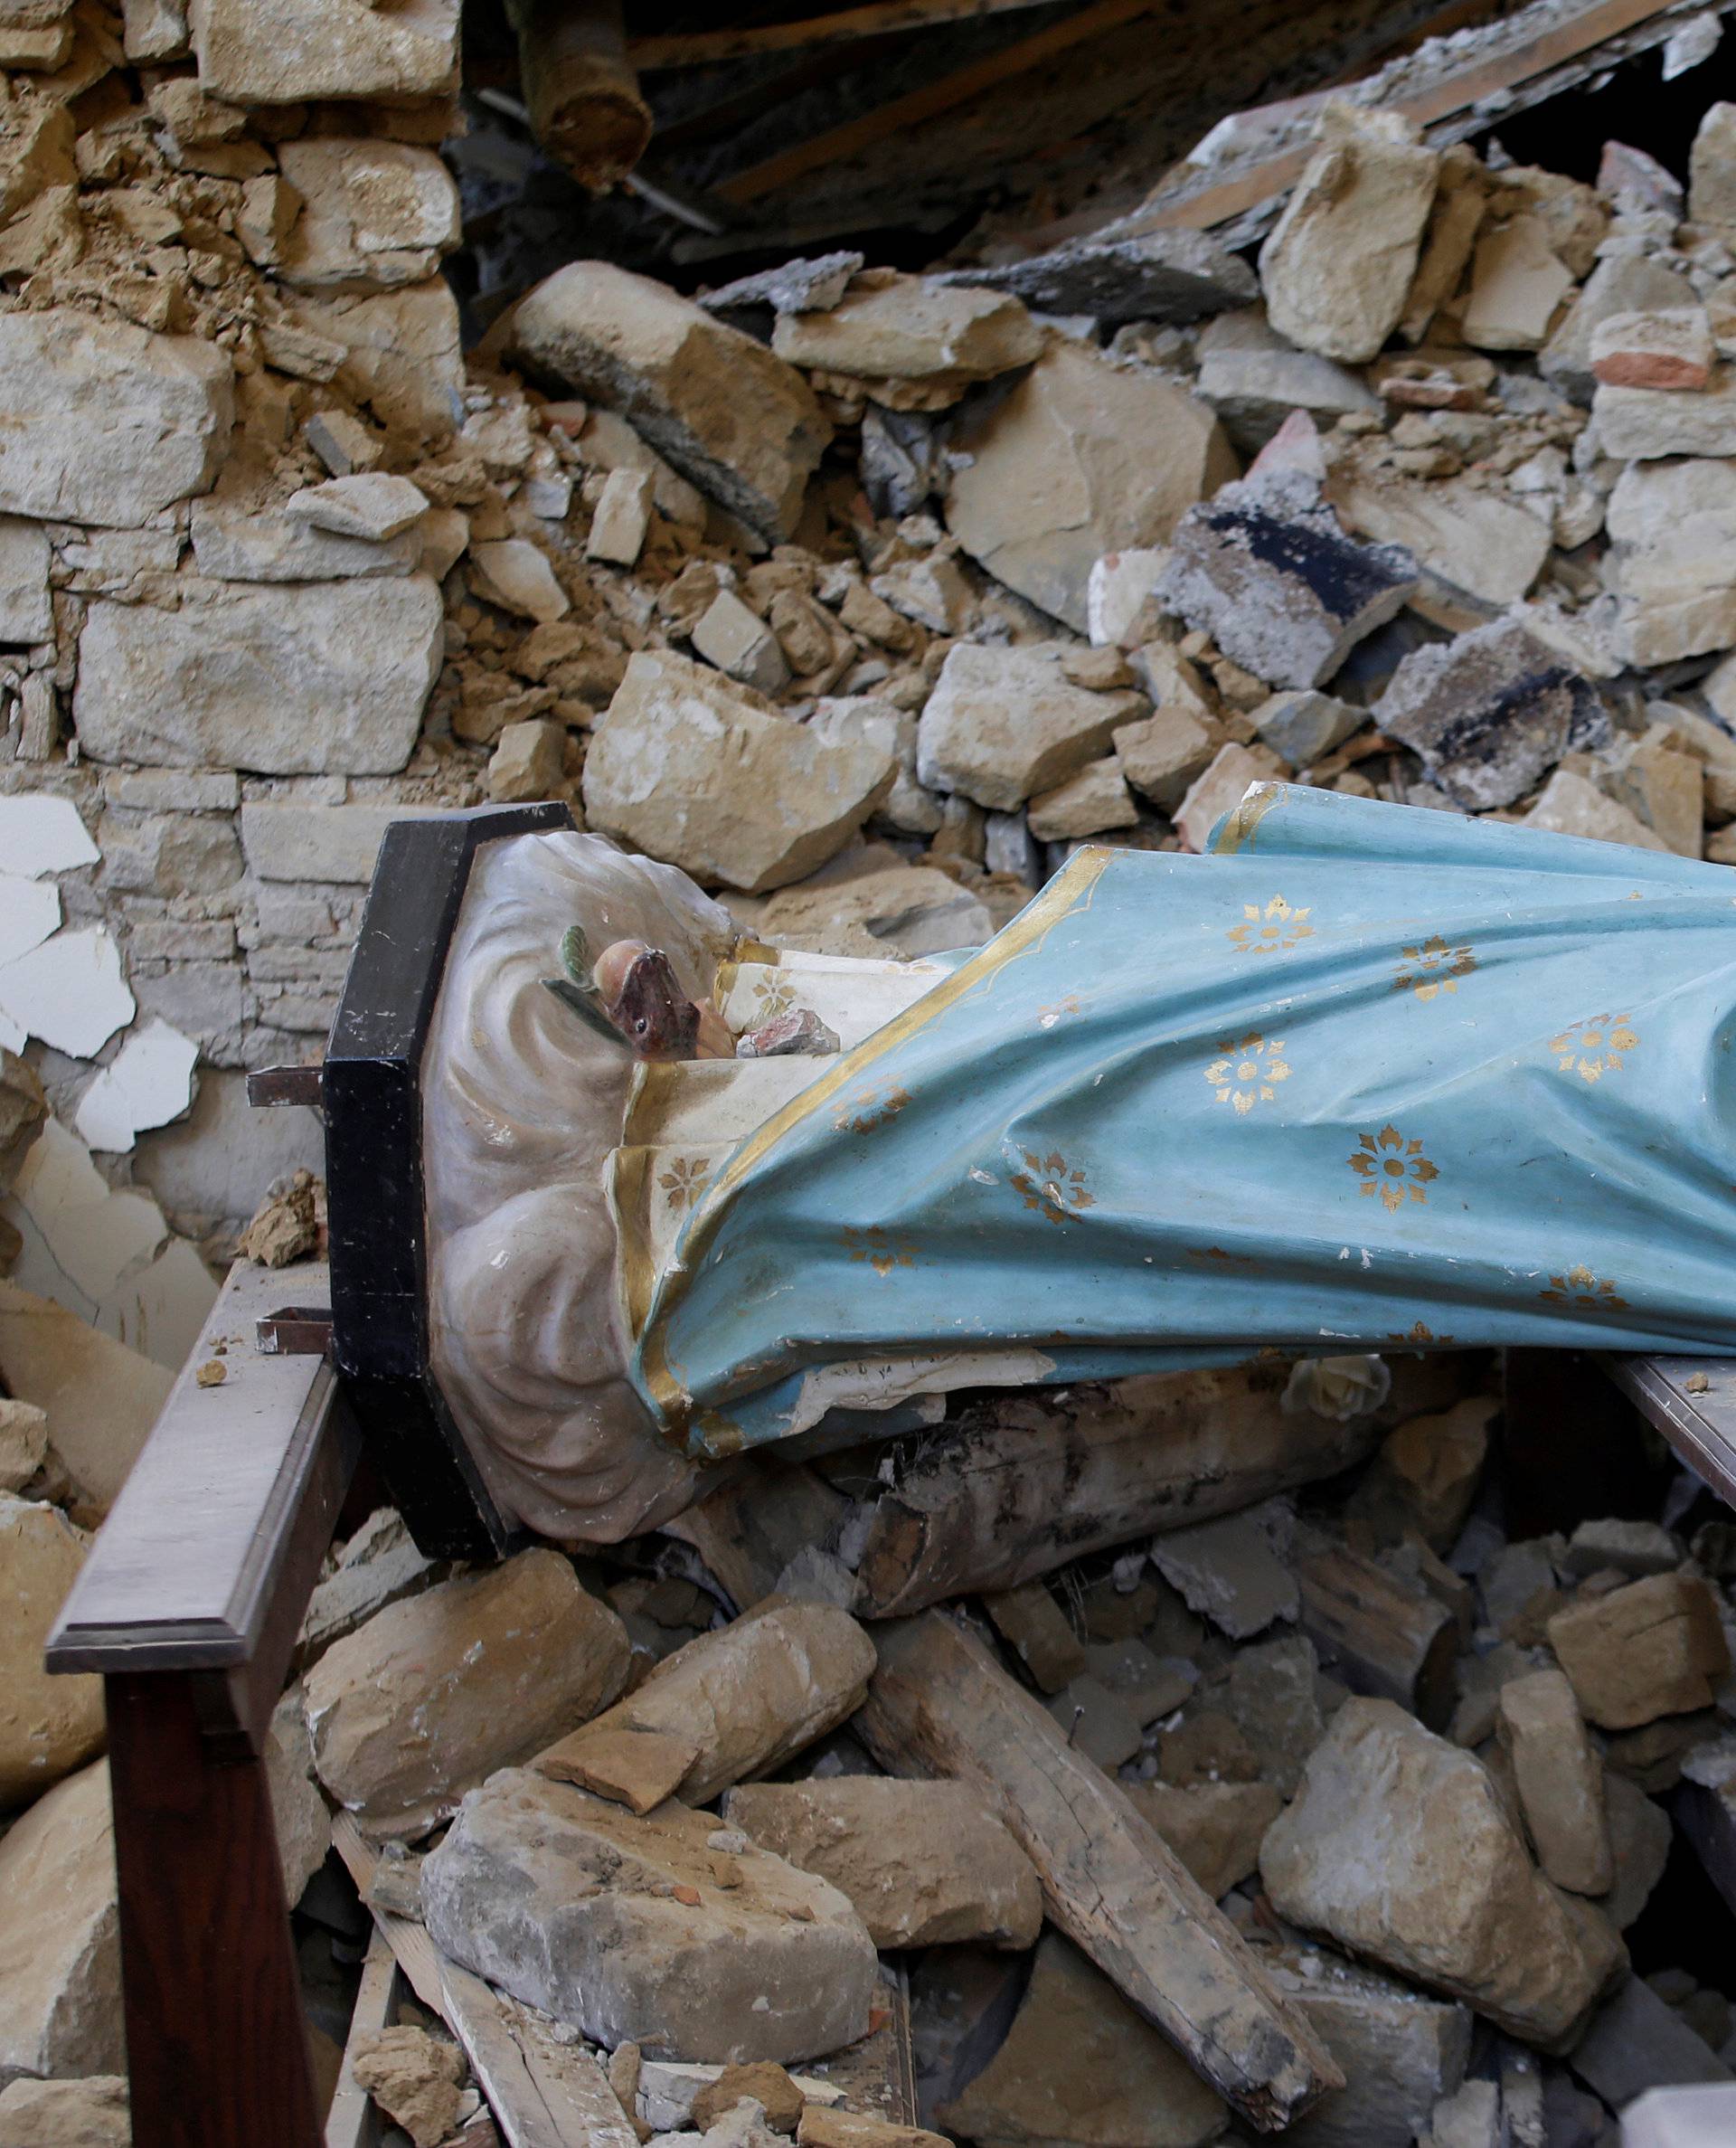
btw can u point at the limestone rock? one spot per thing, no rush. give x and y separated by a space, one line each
732 636
1004 723
736 1703
401 348
1637 424
1476 542
367 503
289 51
1081 458
1304 727
1517 282
528 762
1397 1846
727 413
1254 380
1489 712
829 2125
307 678
375 213
1163 755
380 1565
1080 2065
1121 610
230 544
1712 168
1570 804
513 572
299 1813
1096 798
902 913
1560 1780
434 1693
48 1725
779 2099
1655 1648
1623 283
1221 789
924 1864
1636 1548
1401 2050
1272 1696
1340 258
1228 1572
101 421
26 612
23 1442
59 1936
1268 573
1036 1629
906 807
1670 348
911 329
88 2113
1635 2042
639 1929
1425 1475
705 776
1148 276
1640 1838
1215 1829
414 2077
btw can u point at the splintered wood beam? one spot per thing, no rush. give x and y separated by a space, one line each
933 98
580 90
848 25
939 1705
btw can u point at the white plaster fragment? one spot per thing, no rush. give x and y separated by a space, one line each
149 1083
69 992
43 835
94 1235
30 910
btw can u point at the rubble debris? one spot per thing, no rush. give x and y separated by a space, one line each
415 2078
728 1705
645 1929
437 1691
1380 1635
1402 2051
1230 1572
59 1936
924 1864
1146 276
1635 2041
91 2112
1214 1828
939 1705
286 1226
1397 1846
780 2100
1655 1648
1002 726
910 342
48 1725
1560 1780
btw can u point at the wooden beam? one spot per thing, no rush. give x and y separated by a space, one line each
847 25
353 2119
580 90
926 103
1692 1401
939 1705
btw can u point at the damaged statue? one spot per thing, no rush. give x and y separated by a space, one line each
1362 1077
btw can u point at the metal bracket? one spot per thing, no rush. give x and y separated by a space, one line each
296 1331
268 1086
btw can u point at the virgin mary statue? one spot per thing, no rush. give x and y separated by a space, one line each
1362 1077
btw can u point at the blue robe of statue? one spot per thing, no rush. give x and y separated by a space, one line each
1362 1077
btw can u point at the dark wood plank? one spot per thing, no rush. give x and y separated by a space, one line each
1699 1422
216 2040
185 1570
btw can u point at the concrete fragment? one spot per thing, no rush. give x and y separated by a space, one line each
705 776
1096 798
903 329
295 50
1401 2050
513 572
48 1725
416 2079
1631 1547
1655 1648
1254 380
1268 573
639 1929
728 414
1228 1572
59 1936
1150 1686
740 1701
1517 283
1640 1838
1215 1829
792 287
88 2113
1489 712
1272 1696
434 1693
1398 1846
1003 725
101 421
1163 754
1081 458
1097 1723
1339 261
1080 2065
299 680
1560 1781
924 1864
1221 789
1671 348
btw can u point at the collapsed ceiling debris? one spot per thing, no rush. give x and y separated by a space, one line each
912 522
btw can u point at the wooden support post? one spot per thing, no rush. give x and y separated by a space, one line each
1380 1635
579 86
940 1705
216 2041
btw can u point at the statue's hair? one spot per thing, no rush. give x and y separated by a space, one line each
523 1102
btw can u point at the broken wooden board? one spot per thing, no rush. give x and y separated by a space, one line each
845 25
353 2120
940 1705
1692 1401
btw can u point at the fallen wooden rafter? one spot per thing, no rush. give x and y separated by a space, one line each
847 25
940 1705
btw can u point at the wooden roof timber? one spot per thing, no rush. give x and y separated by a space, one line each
844 25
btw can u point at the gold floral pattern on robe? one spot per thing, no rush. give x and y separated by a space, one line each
880 1251
1267 932
774 995
1433 967
1051 1186
1579 1291
684 1180
1418 1334
1595 1047
869 1107
1248 1070
1394 1168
